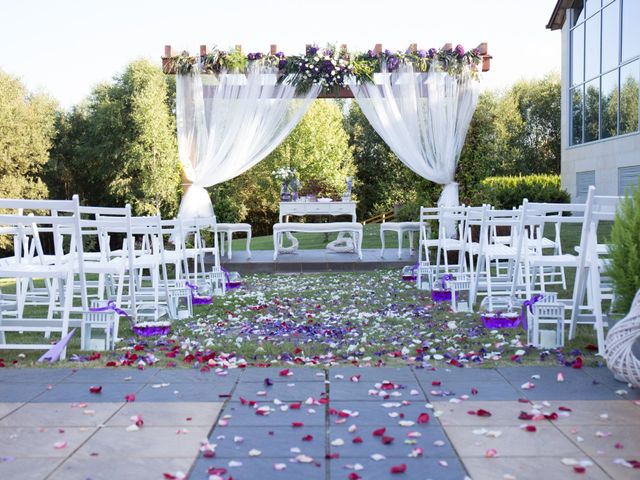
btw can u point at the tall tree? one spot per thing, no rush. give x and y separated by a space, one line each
120 145
26 132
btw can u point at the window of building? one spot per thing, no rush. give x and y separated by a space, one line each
605 71
628 178
583 181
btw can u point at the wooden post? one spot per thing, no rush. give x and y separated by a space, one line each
378 48
168 51
486 58
274 49
413 48
447 46
167 66
203 50
343 47
239 48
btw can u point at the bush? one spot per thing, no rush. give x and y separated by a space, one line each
509 192
624 268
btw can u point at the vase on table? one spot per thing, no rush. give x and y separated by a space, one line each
295 185
285 196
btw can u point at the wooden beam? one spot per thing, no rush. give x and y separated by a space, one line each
203 50
413 48
274 49
486 58
378 48
447 46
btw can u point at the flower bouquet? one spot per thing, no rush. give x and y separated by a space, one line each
286 176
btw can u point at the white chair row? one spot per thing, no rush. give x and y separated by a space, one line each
68 257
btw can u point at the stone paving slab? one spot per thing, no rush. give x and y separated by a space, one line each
549 468
196 376
99 468
27 468
400 447
111 375
261 468
295 374
513 442
290 391
21 392
25 442
60 415
346 390
148 442
34 375
237 442
187 392
237 415
605 441
157 414
491 391
443 468
615 470
7 408
375 413
372 375
80 392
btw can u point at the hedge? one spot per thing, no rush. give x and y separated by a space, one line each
509 192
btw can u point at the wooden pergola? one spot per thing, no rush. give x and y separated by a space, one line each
344 92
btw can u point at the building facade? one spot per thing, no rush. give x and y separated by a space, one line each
600 78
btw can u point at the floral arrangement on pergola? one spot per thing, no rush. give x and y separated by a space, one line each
331 66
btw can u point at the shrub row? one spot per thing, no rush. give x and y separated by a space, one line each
509 192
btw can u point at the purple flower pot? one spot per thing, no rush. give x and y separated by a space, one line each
442 295
151 330
498 320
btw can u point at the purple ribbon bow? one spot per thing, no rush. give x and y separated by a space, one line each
529 303
195 299
445 279
226 274
111 305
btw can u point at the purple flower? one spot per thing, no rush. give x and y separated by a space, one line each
327 66
432 52
392 63
371 53
422 53
387 52
282 64
328 53
476 51
312 50
279 54
251 56
257 55
460 50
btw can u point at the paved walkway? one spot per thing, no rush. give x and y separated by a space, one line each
509 423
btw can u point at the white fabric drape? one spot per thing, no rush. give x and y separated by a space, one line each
424 118
229 122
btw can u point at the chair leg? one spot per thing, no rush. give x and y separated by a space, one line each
249 244
381 243
400 243
229 238
410 242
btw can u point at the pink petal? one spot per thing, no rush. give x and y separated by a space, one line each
423 418
60 445
492 452
399 468
130 398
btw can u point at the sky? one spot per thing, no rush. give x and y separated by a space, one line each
66 47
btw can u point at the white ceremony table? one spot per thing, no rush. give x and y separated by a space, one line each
303 208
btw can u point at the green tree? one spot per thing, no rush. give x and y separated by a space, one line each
26 132
317 148
120 145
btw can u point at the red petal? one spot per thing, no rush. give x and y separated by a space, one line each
551 416
217 471
169 476
297 424
357 440
577 363
423 418
579 469
525 416
436 383
130 397
379 432
564 409
618 445
399 468
95 389
530 428
284 373
295 406
332 456
354 476
474 391
483 413
387 440
343 414
307 438
208 453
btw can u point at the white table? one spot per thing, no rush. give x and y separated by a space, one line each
300 209
304 208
